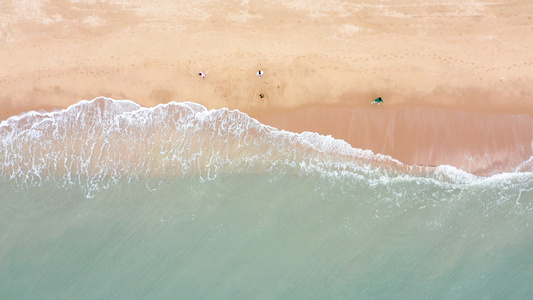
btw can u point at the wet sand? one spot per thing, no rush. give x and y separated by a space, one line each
456 77
483 144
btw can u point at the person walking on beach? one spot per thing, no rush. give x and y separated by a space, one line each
261 96
378 100
202 75
260 73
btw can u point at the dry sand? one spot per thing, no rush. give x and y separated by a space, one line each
456 76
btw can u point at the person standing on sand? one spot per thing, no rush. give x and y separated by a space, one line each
202 75
260 73
378 100
261 96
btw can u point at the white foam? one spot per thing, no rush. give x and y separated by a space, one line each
94 143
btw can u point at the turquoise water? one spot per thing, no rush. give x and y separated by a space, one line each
251 214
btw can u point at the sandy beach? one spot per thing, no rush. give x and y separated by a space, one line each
456 77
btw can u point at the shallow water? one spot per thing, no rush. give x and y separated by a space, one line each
312 220
293 237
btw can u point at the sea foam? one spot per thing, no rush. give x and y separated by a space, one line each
94 143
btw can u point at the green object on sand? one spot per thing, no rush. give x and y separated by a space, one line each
378 100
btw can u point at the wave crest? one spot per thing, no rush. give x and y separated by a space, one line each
94 143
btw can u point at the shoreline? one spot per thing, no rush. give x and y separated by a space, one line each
482 144
479 143
451 63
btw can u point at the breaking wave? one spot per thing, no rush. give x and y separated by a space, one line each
95 143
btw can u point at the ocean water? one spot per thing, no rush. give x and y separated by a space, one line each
108 200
